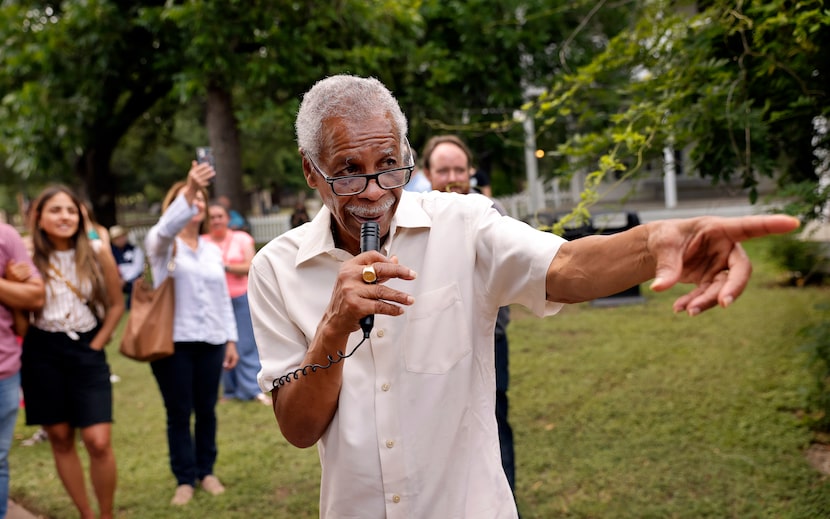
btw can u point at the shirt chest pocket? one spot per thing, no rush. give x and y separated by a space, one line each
438 335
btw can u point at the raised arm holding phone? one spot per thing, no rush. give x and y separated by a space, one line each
204 332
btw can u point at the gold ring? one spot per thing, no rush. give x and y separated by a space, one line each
369 275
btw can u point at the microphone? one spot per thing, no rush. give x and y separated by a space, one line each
369 240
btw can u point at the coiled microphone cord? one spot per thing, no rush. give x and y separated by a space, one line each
369 240
295 375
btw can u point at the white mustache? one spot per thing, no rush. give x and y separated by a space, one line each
371 211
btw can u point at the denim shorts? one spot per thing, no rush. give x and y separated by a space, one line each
64 380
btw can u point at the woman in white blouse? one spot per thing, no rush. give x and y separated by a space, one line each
204 332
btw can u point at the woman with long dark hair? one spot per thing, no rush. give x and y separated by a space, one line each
65 375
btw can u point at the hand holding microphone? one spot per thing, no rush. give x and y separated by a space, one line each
369 240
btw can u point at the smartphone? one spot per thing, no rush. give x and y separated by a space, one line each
205 154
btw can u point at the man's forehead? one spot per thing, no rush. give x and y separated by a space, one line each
351 141
451 151
354 122
447 146
381 152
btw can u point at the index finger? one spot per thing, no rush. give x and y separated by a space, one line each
748 227
386 268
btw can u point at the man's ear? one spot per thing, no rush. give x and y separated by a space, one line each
311 176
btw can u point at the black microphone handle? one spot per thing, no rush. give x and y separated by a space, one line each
369 240
367 323
369 236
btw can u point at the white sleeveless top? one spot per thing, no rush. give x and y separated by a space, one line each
63 310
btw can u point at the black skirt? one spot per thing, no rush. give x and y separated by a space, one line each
64 380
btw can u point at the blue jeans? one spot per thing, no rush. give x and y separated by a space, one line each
9 404
240 382
505 431
189 384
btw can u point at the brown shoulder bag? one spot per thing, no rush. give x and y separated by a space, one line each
148 335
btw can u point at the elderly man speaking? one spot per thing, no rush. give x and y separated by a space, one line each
403 411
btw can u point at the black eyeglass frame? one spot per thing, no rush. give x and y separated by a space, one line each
369 176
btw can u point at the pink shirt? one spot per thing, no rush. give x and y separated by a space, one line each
234 248
11 248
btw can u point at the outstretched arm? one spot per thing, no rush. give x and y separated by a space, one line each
704 251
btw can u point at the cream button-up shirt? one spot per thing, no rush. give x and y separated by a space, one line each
415 432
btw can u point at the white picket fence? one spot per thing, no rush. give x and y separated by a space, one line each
263 228
266 228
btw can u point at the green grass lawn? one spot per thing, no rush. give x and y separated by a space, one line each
624 412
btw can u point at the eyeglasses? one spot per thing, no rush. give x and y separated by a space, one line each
355 184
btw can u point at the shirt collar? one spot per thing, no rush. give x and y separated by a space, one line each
319 240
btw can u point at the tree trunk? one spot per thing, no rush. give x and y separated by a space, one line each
223 134
98 185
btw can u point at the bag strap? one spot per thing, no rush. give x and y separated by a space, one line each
171 265
72 287
148 270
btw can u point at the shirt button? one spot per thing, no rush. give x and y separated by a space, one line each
390 444
396 498
380 333
385 387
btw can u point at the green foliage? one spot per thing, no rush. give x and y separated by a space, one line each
475 60
460 72
266 54
805 197
72 73
82 75
805 260
816 343
742 84
77 75
89 81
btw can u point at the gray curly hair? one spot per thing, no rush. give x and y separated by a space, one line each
351 97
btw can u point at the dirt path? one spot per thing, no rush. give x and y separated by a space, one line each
818 455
